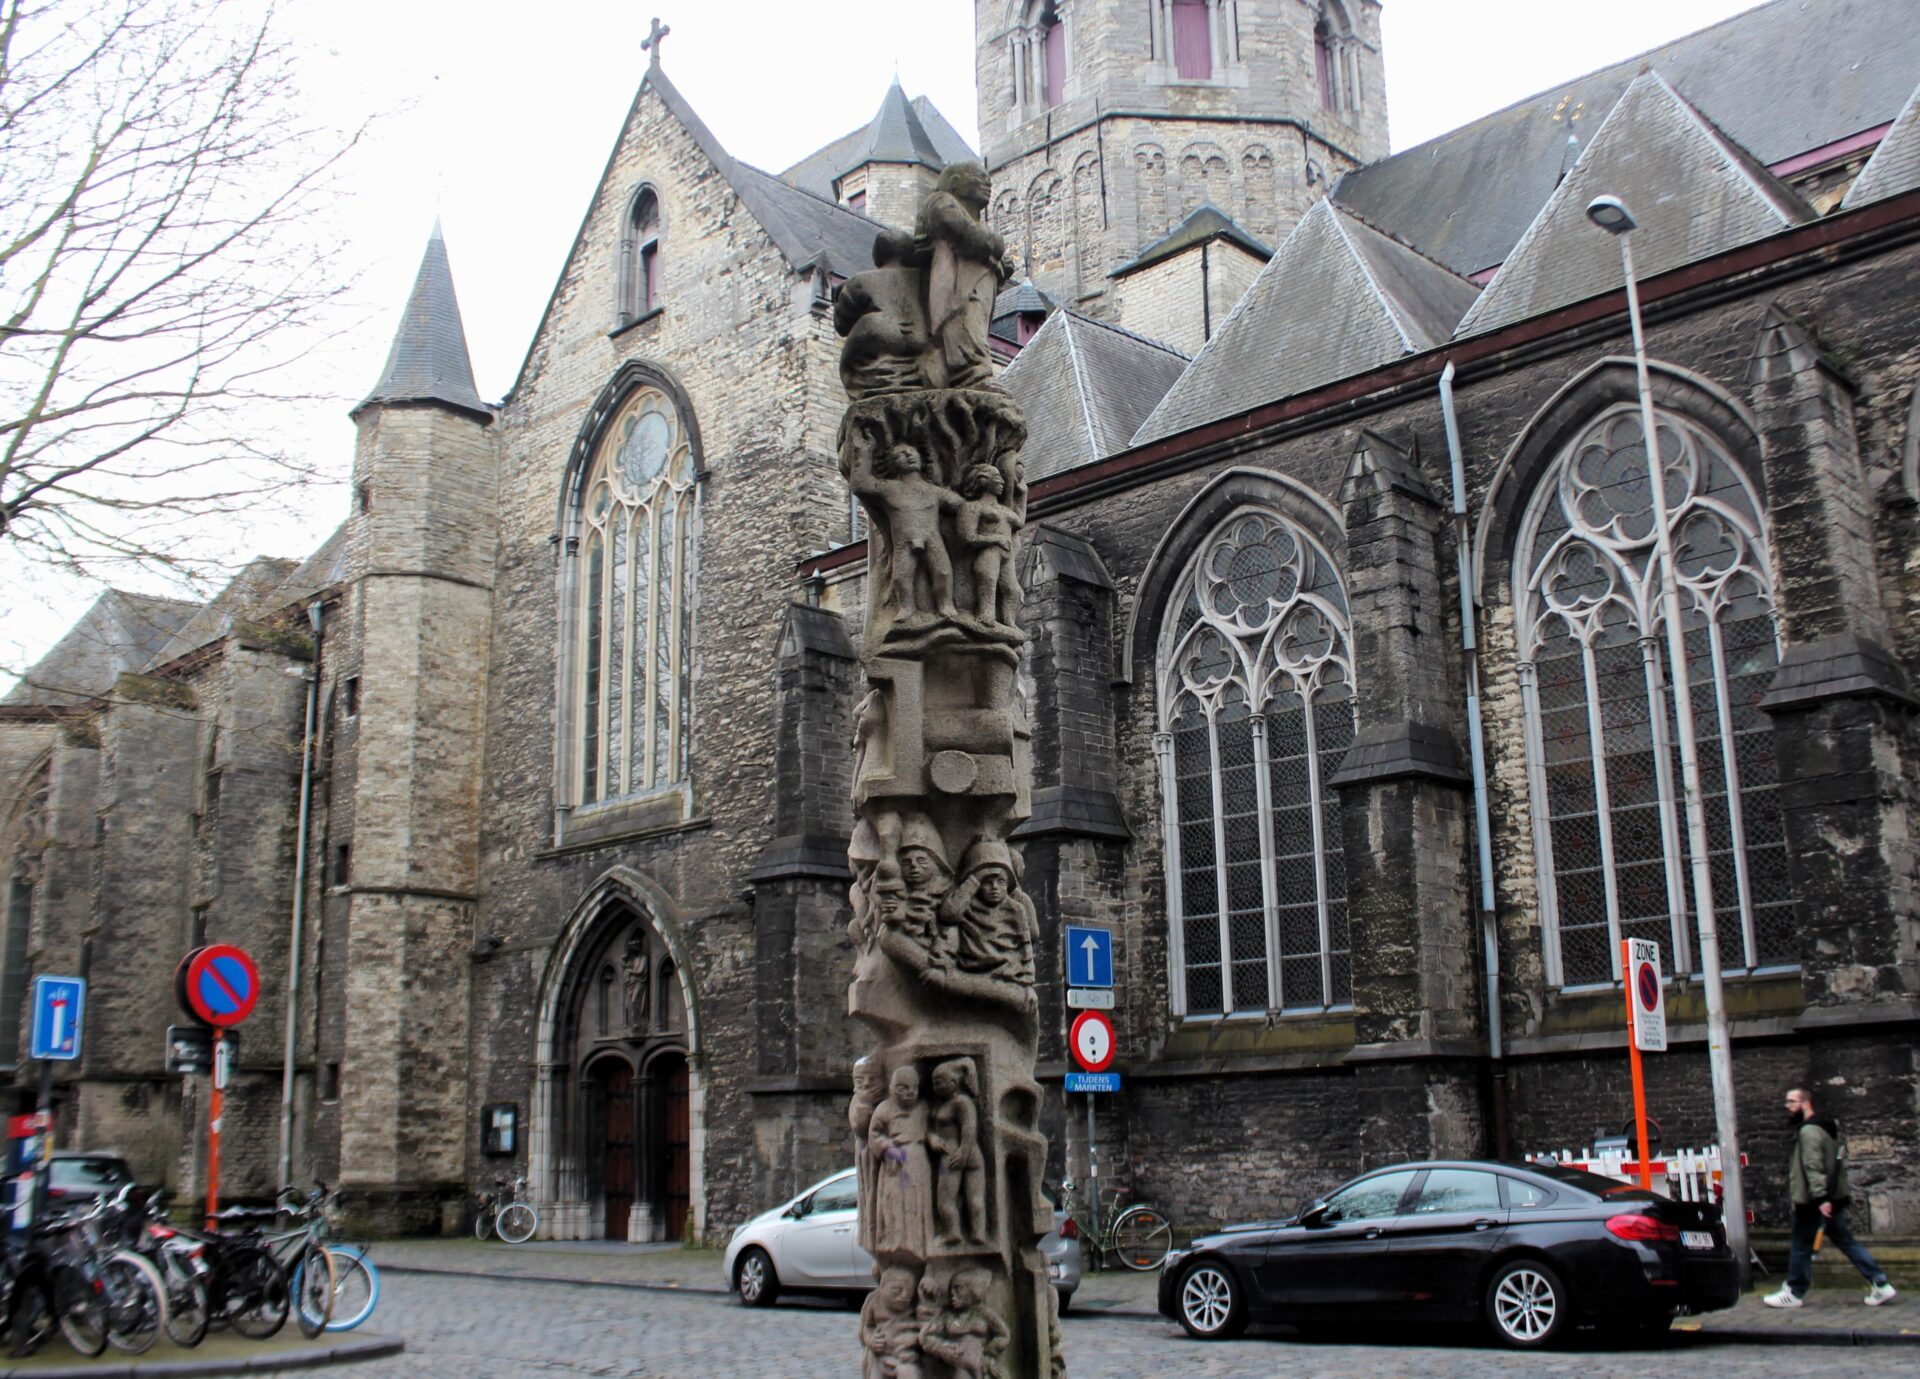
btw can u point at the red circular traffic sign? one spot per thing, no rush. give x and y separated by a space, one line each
1647 986
1092 1040
219 985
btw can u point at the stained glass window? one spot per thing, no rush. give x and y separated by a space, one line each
1597 679
1256 701
635 615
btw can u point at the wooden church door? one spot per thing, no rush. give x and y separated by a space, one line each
618 1159
678 1142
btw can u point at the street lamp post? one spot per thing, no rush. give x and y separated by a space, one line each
1611 214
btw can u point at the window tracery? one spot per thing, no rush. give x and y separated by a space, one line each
635 612
1596 683
1256 705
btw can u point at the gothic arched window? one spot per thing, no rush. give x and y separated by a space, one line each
1256 711
640 257
1334 65
1603 760
634 618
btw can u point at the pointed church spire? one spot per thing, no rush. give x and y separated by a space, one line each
429 362
896 134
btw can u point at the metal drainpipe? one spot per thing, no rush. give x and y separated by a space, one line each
1469 643
314 615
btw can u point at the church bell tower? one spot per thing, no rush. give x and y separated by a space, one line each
1106 124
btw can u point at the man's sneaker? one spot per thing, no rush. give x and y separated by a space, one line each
1879 1293
1786 1297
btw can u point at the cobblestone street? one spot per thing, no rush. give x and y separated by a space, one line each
476 1328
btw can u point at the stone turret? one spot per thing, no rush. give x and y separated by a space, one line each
422 538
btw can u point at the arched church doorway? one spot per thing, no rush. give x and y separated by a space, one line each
616 1130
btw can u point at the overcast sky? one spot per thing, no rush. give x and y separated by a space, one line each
498 119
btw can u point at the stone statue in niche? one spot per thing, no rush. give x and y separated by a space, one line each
967 1337
966 263
902 1176
888 1327
866 1099
636 990
960 1192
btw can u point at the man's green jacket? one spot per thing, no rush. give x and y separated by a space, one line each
1816 1170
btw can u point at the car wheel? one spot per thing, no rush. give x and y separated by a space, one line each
1212 1306
1527 1305
755 1279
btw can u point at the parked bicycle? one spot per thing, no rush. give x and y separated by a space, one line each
182 1266
502 1212
1139 1236
353 1284
71 1273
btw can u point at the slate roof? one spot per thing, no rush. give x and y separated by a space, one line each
429 361
121 632
1018 298
1339 298
1895 165
246 595
1205 222
1694 193
1086 386
1773 78
809 229
326 567
818 171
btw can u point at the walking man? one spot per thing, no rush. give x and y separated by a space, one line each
1817 1179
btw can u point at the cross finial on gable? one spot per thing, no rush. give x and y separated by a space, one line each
651 44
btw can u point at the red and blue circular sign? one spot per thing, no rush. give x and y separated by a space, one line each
1647 979
219 985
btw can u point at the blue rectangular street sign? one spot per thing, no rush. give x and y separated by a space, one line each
58 1004
1093 1082
1089 956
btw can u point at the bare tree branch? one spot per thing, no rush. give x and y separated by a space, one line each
158 271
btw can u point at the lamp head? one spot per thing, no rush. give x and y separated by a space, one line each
1610 213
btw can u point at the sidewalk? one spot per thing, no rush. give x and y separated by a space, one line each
1833 1314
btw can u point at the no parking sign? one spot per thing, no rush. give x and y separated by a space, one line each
1647 995
217 985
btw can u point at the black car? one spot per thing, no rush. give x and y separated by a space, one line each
1532 1249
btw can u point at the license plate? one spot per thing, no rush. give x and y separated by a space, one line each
1697 1240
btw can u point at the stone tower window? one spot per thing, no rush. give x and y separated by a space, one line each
1256 711
1336 64
1596 684
1053 46
1040 47
640 259
634 620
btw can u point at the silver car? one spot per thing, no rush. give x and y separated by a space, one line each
811 1245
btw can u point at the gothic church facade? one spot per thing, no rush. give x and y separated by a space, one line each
1351 714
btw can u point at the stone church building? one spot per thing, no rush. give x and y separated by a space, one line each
1352 709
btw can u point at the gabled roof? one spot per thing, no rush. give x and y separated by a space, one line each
1782 79
1018 298
429 361
1694 192
819 170
1339 298
896 134
247 595
1085 387
327 566
1895 165
807 228
121 632
1205 222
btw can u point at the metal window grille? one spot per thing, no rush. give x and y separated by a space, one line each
1255 677
1603 754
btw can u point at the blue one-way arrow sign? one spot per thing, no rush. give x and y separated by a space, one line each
1089 956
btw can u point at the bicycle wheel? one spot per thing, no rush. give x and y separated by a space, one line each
1142 1237
257 1296
356 1288
483 1221
83 1316
518 1222
313 1282
187 1309
136 1302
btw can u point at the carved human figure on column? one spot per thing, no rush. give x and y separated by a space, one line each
636 990
967 1337
994 927
911 503
986 527
902 1177
866 1099
888 1328
927 877
890 346
960 1192
966 264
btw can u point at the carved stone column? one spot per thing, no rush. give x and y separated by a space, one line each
945 1104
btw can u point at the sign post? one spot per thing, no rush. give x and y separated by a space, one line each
1646 1030
217 985
59 1008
